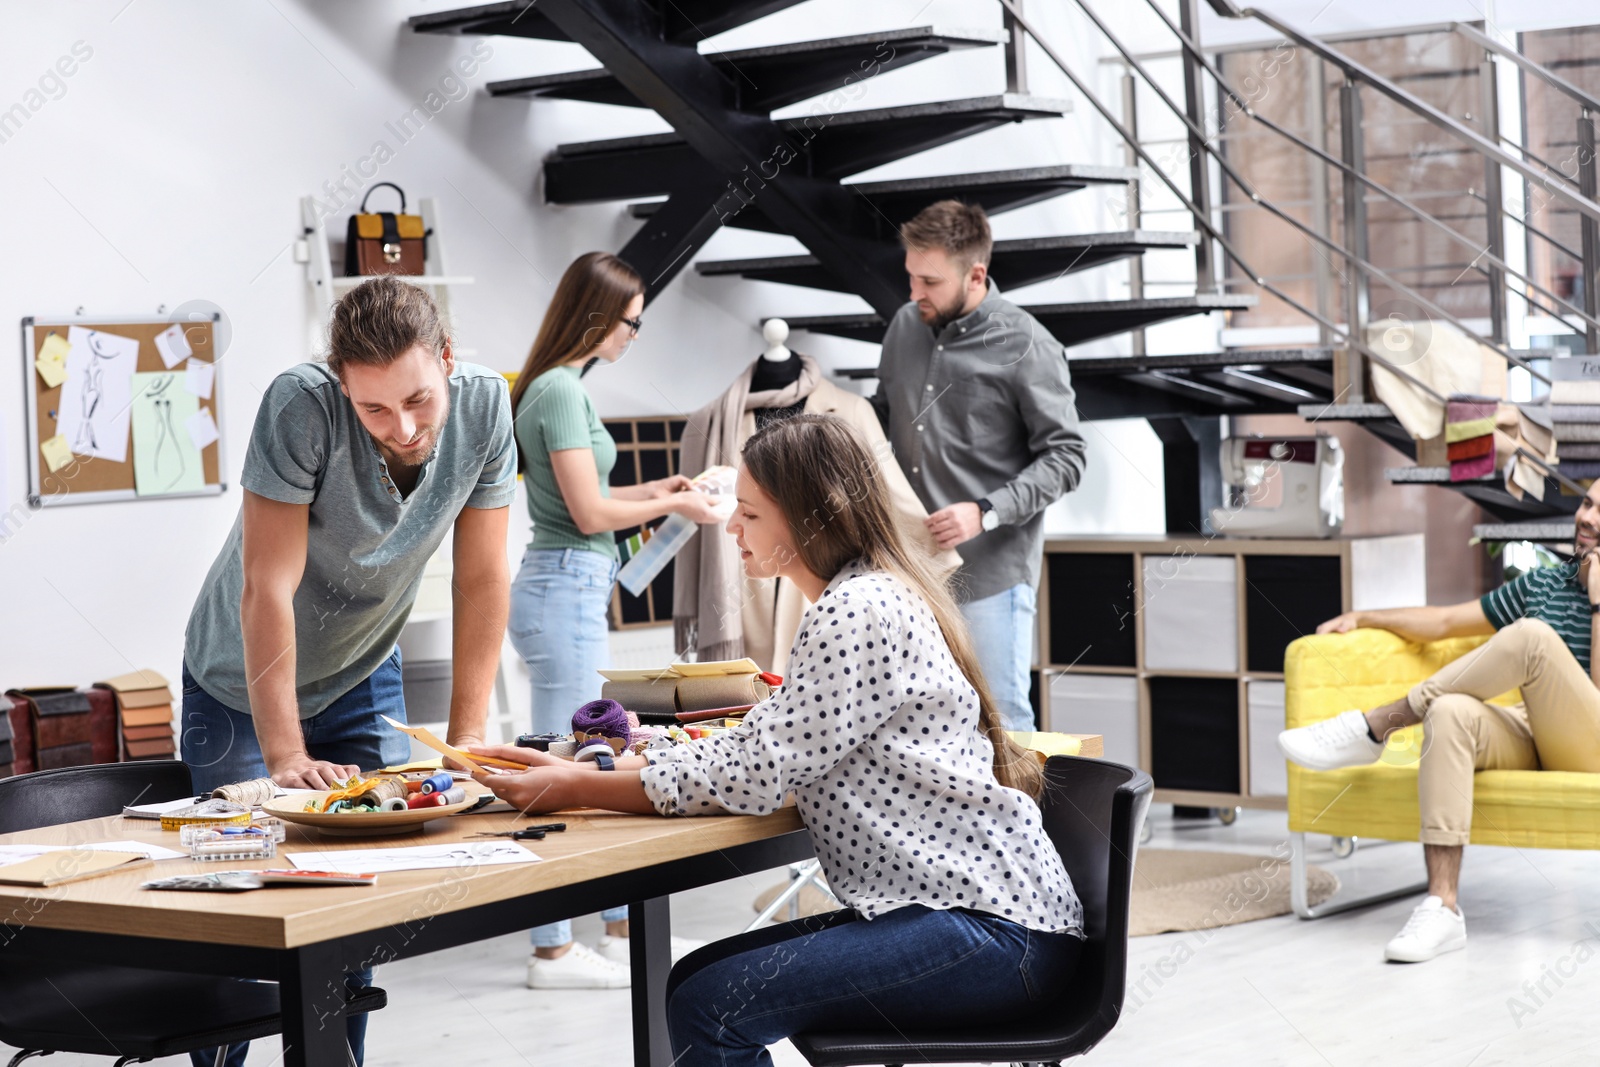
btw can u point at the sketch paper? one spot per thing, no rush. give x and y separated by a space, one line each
198 376
463 856
173 346
202 428
98 394
165 460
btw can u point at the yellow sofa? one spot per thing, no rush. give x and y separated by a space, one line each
1327 674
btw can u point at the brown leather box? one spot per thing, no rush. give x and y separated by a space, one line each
65 756
146 733
152 749
60 717
103 724
20 715
156 716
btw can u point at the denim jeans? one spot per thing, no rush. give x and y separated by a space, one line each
912 968
219 744
559 602
1002 628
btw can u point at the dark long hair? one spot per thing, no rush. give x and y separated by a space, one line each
591 298
827 482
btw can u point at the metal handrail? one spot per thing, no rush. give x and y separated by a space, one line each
1538 70
1193 50
1355 261
1348 333
1361 73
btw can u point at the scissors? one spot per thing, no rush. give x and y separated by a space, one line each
527 833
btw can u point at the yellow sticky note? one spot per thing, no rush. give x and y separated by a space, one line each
53 373
57 453
55 349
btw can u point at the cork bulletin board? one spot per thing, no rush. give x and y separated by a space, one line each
98 391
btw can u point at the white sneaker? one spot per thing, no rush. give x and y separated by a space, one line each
1341 741
1431 930
580 967
616 950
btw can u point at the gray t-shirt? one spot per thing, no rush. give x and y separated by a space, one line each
366 545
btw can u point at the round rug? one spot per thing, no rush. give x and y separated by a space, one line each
1185 889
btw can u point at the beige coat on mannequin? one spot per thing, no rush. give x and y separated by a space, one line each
770 609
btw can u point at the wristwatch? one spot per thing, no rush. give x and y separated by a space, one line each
991 517
1594 609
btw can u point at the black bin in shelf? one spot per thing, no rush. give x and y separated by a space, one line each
1194 734
1286 597
1091 608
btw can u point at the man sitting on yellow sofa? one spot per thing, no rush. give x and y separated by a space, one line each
1545 625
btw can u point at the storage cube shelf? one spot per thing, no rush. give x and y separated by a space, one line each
1173 648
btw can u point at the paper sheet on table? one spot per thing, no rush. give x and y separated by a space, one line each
97 397
57 453
165 460
465 855
10 854
481 764
198 376
202 428
173 346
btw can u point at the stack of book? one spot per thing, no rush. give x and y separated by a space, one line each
1469 436
1562 436
144 706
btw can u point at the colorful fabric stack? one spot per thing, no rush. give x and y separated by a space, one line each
1469 436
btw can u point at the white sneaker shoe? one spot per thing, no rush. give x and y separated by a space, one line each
1341 741
1431 930
616 949
580 967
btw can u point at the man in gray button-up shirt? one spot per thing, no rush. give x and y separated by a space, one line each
978 404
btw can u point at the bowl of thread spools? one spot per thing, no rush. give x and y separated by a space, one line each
386 804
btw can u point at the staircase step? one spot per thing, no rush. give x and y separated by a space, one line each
1539 531
893 203
836 146
775 76
1071 324
683 21
1349 412
1014 264
1490 493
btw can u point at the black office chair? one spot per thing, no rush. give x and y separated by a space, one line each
127 1012
1092 811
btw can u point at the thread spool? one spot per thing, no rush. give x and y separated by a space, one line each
604 717
395 804
251 794
453 795
425 800
438 783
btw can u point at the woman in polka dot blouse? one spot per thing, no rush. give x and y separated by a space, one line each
922 811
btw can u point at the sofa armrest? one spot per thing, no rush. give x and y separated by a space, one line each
1325 674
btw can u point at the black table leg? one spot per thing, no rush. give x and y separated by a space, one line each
650 953
311 996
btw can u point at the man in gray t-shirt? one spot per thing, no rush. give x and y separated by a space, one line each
355 473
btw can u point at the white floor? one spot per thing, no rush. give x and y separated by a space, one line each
1281 991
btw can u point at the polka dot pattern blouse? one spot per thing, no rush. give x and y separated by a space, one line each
875 732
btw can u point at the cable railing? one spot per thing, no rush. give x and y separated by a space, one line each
1582 318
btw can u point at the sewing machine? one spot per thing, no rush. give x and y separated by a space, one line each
1281 487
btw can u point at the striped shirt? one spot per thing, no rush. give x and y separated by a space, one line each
1550 594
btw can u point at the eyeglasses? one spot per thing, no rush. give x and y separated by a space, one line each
634 325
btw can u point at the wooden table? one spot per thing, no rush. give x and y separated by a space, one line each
305 939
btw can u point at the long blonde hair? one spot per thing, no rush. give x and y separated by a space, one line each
828 485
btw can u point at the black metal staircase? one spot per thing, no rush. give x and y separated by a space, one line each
726 162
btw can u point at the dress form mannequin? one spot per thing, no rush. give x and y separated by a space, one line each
778 367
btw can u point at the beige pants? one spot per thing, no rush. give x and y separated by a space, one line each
1557 728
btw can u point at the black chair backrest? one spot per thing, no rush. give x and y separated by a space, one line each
49 798
1092 812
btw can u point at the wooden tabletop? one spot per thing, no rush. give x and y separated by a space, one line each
595 843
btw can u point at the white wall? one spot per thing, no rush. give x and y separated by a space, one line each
168 168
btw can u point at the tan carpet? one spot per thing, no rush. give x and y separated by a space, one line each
1173 889
1184 889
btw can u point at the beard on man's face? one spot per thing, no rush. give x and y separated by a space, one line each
940 317
418 454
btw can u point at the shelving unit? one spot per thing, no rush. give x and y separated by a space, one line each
648 448
1173 649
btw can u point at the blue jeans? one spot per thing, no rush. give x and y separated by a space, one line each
913 968
1002 628
558 626
219 744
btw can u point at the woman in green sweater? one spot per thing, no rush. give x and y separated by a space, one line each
562 591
